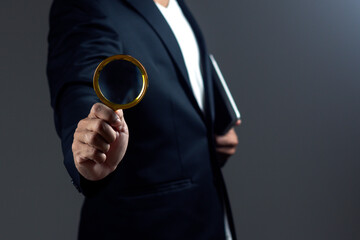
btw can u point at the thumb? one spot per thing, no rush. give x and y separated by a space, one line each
120 113
123 126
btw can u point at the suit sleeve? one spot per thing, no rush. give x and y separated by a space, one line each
80 37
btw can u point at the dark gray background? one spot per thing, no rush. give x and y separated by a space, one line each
293 67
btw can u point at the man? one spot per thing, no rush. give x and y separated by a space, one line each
157 174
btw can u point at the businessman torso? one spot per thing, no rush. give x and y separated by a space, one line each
167 185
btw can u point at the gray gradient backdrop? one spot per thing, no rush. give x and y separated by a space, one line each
294 69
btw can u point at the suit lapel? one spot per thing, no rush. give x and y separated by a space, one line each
153 16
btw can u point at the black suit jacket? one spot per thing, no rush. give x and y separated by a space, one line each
168 186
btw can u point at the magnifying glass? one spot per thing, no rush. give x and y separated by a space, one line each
120 81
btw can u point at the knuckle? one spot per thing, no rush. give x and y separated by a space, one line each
79 125
77 157
82 124
96 124
97 107
78 160
93 138
87 137
73 146
75 149
92 153
76 135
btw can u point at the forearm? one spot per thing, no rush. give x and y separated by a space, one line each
73 105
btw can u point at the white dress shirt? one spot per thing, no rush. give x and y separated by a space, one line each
188 46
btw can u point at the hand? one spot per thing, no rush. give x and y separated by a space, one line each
100 142
226 145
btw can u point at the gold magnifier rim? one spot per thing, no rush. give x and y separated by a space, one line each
101 96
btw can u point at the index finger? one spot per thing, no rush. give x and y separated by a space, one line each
105 113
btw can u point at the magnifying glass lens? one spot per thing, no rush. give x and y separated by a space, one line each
120 81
